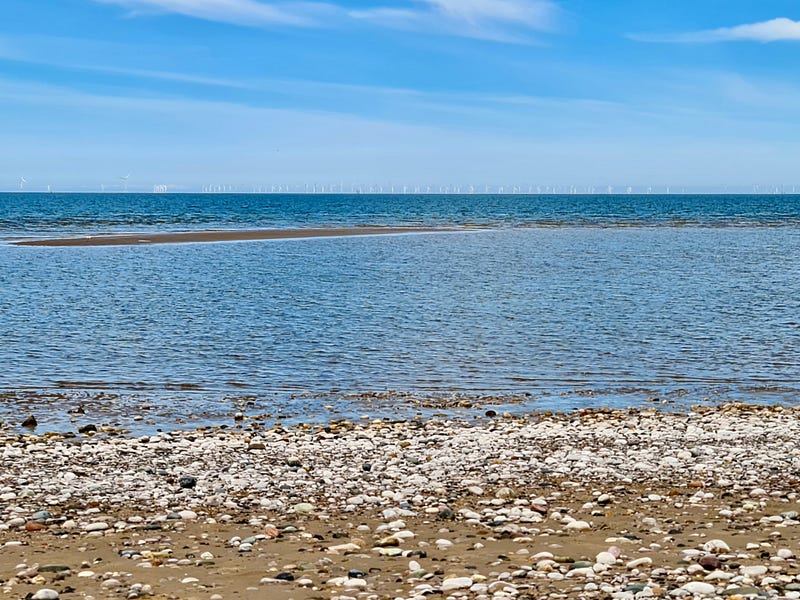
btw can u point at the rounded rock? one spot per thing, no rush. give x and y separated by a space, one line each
456 583
700 588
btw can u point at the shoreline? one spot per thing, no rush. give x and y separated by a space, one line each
223 235
589 504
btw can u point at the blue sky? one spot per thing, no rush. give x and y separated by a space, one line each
256 93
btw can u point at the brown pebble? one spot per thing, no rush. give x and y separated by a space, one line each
271 532
34 526
710 562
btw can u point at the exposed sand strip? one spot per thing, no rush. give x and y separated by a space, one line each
133 239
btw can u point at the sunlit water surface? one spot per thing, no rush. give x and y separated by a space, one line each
600 308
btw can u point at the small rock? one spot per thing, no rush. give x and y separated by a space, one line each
53 568
605 558
639 562
710 562
187 482
700 588
753 571
355 583
715 546
356 574
456 583
388 541
45 594
742 591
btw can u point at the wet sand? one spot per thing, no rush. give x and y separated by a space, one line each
590 504
132 239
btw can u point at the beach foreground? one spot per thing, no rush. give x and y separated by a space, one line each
590 504
237 235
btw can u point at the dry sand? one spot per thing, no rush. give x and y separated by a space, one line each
592 504
128 239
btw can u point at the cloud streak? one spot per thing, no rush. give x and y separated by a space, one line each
536 14
497 20
235 12
774 30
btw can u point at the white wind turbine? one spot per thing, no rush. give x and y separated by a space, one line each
125 181
22 182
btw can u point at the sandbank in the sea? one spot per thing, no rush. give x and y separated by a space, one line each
132 239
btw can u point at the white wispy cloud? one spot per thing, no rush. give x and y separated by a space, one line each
774 30
497 20
74 54
536 14
237 12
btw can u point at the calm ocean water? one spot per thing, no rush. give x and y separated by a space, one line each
573 300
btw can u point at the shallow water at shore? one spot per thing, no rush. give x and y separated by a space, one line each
570 316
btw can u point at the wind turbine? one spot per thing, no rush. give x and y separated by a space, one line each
22 182
125 181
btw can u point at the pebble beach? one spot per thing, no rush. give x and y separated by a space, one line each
603 503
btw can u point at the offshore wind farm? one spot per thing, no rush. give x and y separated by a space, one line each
144 185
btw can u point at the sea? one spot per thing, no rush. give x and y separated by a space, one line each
519 302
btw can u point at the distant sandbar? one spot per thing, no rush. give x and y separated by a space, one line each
133 239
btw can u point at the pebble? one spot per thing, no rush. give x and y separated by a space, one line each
716 546
710 562
605 558
456 583
45 594
753 571
639 562
356 583
187 482
700 588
